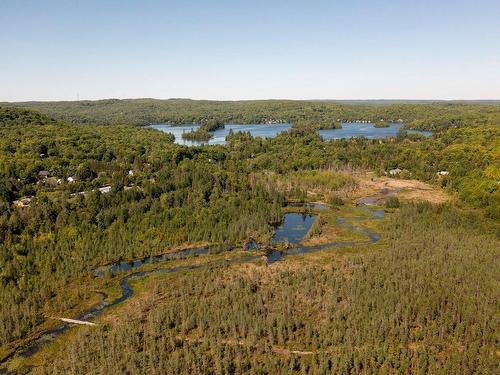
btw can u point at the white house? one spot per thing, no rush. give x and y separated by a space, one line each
395 171
105 189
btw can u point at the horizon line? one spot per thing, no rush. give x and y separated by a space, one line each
250 100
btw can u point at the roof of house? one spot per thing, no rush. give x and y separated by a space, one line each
105 189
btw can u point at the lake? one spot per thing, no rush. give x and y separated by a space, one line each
219 138
366 130
349 130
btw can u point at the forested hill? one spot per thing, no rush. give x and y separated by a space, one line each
17 116
466 146
430 116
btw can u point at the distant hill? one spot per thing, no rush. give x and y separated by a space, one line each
19 116
179 111
404 101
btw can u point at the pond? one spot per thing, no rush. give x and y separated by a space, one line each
349 130
294 228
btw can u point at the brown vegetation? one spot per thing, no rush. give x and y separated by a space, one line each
414 190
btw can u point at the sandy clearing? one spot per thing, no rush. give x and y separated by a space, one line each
370 184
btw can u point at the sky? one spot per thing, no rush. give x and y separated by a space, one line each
229 50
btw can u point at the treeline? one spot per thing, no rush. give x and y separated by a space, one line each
436 116
317 125
424 303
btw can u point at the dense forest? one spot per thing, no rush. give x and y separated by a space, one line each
319 114
75 194
379 311
161 195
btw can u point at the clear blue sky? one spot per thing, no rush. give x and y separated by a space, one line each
420 49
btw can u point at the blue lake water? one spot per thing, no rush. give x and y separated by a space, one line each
366 130
294 227
219 138
349 130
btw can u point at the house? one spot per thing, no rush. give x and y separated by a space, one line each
23 202
131 173
102 190
395 172
71 179
443 173
105 189
43 174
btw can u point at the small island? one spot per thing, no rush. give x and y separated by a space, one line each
199 134
203 133
381 124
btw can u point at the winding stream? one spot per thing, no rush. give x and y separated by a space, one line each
292 230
